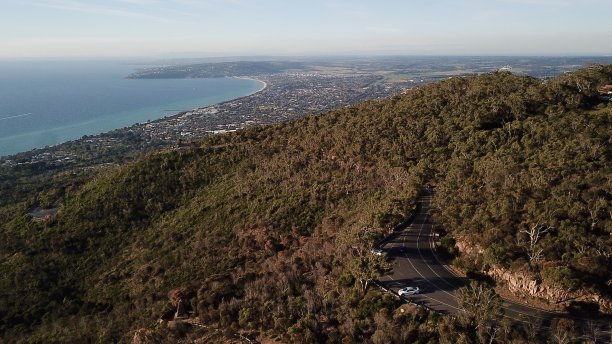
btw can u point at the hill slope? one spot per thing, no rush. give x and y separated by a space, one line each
269 229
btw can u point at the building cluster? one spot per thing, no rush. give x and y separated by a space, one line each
286 96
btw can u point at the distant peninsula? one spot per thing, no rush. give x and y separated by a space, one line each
216 70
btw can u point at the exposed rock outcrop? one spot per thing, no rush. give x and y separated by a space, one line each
527 284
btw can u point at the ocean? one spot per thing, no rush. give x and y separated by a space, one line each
44 103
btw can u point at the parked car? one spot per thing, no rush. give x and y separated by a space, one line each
377 252
408 291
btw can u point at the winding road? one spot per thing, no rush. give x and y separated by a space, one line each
416 264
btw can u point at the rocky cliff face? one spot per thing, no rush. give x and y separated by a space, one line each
527 284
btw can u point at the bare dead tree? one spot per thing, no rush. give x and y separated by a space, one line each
603 250
595 209
480 309
534 234
563 331
492 332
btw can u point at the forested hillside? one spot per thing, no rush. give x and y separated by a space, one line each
267 230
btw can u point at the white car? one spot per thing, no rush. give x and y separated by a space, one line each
408 291
377 252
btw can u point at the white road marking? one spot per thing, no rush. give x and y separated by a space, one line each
424 214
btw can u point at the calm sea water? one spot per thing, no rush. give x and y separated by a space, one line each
46 103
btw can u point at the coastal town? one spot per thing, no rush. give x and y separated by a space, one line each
284 96
290 90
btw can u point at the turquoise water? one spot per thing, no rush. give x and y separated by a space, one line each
50 102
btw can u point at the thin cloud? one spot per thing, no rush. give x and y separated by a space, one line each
209 3
541 2
140 2
76 6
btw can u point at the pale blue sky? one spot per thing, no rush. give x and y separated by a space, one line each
161 28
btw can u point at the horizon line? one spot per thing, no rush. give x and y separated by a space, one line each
321 55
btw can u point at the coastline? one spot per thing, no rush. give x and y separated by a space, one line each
264 86
264 83
177 115
180 113
136 124
276 98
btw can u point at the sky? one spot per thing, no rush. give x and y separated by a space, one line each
199 28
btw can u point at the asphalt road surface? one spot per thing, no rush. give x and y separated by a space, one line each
416 264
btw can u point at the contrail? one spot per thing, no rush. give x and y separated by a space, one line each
17 116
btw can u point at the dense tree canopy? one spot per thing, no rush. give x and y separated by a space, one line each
267 229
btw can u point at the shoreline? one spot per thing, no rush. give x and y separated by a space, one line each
276 98
264 85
